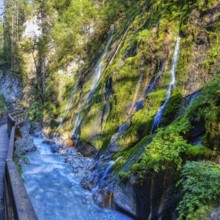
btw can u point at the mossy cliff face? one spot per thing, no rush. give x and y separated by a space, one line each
116 116
145 57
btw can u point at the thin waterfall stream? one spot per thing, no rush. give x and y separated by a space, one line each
107 172
55 190
95 80
159 115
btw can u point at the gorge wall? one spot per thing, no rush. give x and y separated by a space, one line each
99 73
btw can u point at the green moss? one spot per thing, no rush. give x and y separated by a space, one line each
206 107
170 146
130 156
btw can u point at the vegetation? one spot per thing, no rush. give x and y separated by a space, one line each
200 181
2 103
57 69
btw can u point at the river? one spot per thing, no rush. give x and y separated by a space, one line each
55 190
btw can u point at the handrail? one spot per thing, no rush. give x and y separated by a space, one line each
16 201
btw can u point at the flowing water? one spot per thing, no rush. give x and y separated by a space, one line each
54 187
107 172
96 77
158 116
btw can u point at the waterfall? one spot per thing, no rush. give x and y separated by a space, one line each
96 77
107 172
77 123
98 70
158 116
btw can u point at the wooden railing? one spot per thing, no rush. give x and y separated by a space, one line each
17 204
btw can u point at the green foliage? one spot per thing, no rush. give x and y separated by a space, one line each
170 145
168 148
2 103
16 14
201 183
20 159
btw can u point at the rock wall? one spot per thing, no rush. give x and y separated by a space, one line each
11 88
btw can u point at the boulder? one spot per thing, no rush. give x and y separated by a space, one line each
68 142
65 140
87 150
35 129
124 198
25 144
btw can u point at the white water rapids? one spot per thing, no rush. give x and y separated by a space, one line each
54 187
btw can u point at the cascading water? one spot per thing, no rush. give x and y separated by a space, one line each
107 172
96 77
98 70
55 190
158 116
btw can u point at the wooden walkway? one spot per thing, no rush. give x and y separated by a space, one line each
4 142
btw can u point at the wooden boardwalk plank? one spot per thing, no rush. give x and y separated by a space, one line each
4 142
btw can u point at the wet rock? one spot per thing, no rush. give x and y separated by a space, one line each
25 145
91 181
68 142
3 120
87 150
104 198
124 198
35 129
87 184
55 148
65 140
153 198
25 129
